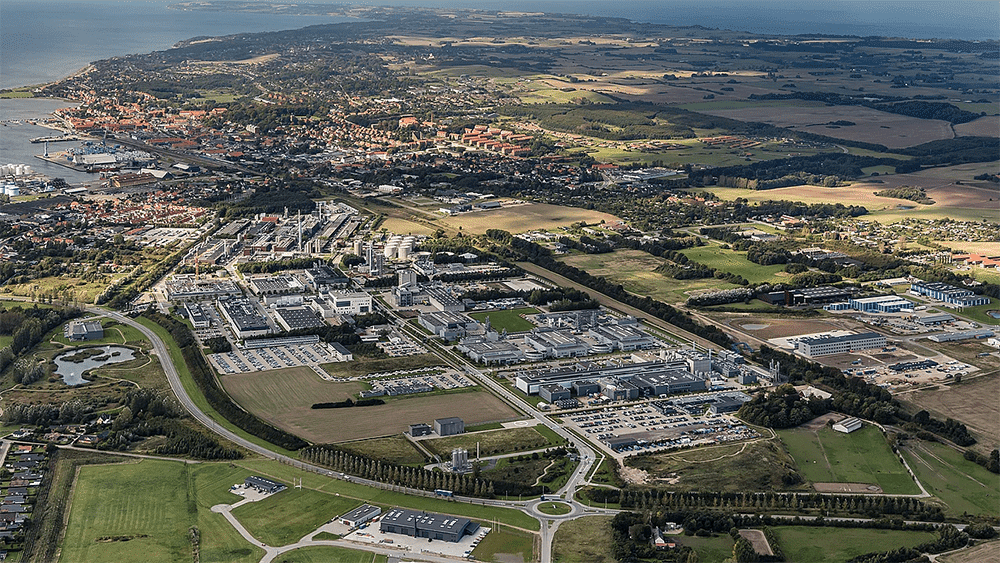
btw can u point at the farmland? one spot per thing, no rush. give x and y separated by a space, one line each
508 319
820 545
961 484
963 402
863 456
284 398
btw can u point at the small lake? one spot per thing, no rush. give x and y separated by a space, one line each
72 372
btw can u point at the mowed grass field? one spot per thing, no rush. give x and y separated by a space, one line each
285 517
284 398
150 506
863 456
714 256
330 554
492 442
506 545
821 545
509 319
635 270
964 403
961 484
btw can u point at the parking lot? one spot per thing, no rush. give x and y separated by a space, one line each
274 357
632 429
407 544
408 384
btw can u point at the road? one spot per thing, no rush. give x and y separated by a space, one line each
577 479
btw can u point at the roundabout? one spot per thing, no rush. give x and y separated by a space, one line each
554 508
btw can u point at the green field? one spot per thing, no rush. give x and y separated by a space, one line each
287 516
636 271
961 484
507 319
734 262
757 466
863 456
329 554
492 442
584 540
978 314
394 449
717 548
506 545
555 508
143 511
822 545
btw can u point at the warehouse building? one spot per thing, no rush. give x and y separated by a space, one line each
449 426
199 317
489 351
447 325
553 392
273 285
442 300
348 303
651 378
77 331
556 343
949 294
297 318
244 318
979 334
881 304
812 347
426 525
263 485
622 337
848 425
360 515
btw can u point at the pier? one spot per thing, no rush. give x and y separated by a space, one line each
55 139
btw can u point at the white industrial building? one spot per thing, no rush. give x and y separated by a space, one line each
812 347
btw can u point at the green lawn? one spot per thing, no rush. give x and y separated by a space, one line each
555 508
961 484
285 517
329 554
717 548
505 545
978 314
863 456
509 319
143 511
714 256
822 545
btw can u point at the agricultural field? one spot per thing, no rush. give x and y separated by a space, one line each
284 398
969 200
962 485
285 517
755 466
766 328
870 125
394 449
714 256
492 442
822 545
508 319
527 217
636 271
863 457
964 403
584 540
988 126
985 552
143 511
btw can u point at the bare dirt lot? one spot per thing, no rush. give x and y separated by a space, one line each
973 402
848 488
285 397
870 126
758 541
765 328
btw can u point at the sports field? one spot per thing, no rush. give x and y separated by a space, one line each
822 545
143 512
284 398
508 319
863 456
961 484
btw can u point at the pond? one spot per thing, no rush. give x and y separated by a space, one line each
73 364
994 314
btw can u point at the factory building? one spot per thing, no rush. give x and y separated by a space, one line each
77 331
244 318
447 325
297 318
350 303
650 378
553 392
197 315
556 344
449 426
426 525
623 337
442 300
949 294
273 285
826 345
881 304
489 350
